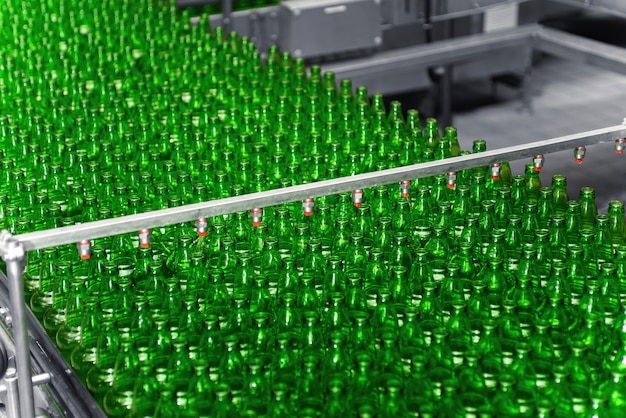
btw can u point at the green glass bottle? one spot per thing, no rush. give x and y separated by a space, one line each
573 222
588 210
609 286
431 134
438 246
616 221
55 314
423 205
559 194
450 133
506 176
604 244
576 272
376 272
503 205
480 145
590 254
478 191
620 263
533 182
496 281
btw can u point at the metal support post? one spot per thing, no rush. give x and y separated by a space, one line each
13 398
13 253
227 18
446 96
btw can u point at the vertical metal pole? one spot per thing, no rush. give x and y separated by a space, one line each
445 119
445 87
526 90
227 19
14 256
13 399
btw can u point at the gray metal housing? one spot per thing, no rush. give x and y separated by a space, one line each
313 28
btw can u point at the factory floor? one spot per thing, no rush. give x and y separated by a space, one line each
566 98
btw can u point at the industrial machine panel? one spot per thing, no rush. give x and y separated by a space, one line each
312 28
402 12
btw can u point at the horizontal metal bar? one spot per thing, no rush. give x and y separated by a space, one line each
596 7
125 224
477 9
580 49
449 51
39 379
468 48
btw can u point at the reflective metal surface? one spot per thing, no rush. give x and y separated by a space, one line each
132 223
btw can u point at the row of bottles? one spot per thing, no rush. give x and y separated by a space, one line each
144 135
293 308
467 293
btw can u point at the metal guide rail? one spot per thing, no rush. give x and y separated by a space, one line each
451 51
611 7
13 248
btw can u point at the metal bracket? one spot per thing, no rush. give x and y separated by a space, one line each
12 390
39 379
10 248
14 255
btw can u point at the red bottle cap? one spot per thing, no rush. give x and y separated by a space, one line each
579 154
144 238
538 162
257 216
357 197
307 207
620 144
451 179
405 188
202 225
84 249
495 171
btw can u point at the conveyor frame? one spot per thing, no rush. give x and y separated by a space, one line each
600 6
13 248
458 50
66 395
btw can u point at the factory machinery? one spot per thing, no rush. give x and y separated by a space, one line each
389 45
395 46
